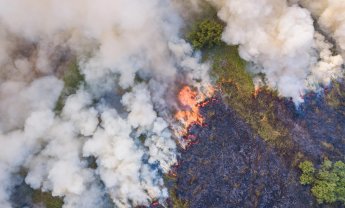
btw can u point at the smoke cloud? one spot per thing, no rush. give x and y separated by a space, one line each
114 137
280 39
330 16
131 56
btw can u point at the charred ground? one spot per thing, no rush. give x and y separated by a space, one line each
230 165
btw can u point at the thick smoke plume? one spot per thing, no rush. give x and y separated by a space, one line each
114 136
330 15
280 39
130 55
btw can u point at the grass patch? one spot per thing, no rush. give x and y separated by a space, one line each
229 69
176 202
336 96
266 131
46 199
237 87
72 80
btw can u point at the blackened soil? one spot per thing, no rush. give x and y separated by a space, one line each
232 167
325 126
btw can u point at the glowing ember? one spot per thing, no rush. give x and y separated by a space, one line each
191 100
256 91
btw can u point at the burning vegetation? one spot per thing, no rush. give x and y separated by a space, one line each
253 136
226 166
190 100
252 139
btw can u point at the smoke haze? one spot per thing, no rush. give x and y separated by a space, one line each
131 55
280 39
116 43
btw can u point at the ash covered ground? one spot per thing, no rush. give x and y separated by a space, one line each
229 165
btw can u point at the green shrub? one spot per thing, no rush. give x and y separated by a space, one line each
176 202
307 167
206 34
324 192
328 182
46 199
308 170
336 96
72 80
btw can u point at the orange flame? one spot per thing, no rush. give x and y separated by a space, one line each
188 98
256 91
191 100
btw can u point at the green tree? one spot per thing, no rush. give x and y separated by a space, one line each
308 170
327 182
206 34
326 165
339 169
324 191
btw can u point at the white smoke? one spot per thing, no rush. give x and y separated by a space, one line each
330 15
328 67
131 55
116 42
281 41
25 117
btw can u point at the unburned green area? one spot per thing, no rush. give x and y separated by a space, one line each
72 80
336 95
237 87
235 82
206 34
175 201
46 199
327 182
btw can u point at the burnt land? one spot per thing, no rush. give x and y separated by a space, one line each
231 166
